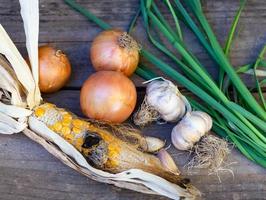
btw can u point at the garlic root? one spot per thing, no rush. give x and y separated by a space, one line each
210 152
162 101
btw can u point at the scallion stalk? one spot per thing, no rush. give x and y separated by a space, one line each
231 120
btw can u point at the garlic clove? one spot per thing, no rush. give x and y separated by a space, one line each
189 134
163 97
167 161
207 118
195 122
154 144
178 141
201 121
175 114
156 84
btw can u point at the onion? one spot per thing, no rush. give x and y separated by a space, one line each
115 50
108 96
54 69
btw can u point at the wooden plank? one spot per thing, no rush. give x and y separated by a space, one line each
71 32
27 171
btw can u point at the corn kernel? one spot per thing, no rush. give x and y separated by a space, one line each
57 126
77 123
51 128
49 105
76 130
67 116
69 138
39 112
66 122
78 143
65 131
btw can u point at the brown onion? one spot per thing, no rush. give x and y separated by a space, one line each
108 96
115 50
54 69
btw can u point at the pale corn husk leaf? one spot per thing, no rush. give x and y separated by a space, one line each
8 125
6 129
54 150
133 179
19 65
14 111
30 15
6 65
9 83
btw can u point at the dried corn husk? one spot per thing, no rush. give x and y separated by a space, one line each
14 111
8 125
30 15
19 65
9 83
134 179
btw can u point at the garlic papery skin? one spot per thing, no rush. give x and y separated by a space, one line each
190 129
167 161
165 98
154 144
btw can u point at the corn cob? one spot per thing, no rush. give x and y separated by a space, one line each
102 148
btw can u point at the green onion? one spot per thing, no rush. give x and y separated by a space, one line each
229 39
243 123
224 63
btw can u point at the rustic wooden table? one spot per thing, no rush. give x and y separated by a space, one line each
27 171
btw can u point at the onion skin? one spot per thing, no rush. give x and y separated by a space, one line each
106 53
108 96
54 69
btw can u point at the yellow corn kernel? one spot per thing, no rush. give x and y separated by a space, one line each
49 105
76 130
67 116
69 138
39 112
66 122
78 143
65 131
78 123
51 127
58 126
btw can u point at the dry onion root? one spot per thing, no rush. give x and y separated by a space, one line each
54 128
162 101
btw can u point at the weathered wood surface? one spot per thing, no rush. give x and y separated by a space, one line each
27 171
73 33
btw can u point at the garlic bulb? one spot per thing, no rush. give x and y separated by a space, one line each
190 129
165 98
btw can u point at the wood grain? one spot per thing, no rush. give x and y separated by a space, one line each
73 33
27 171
